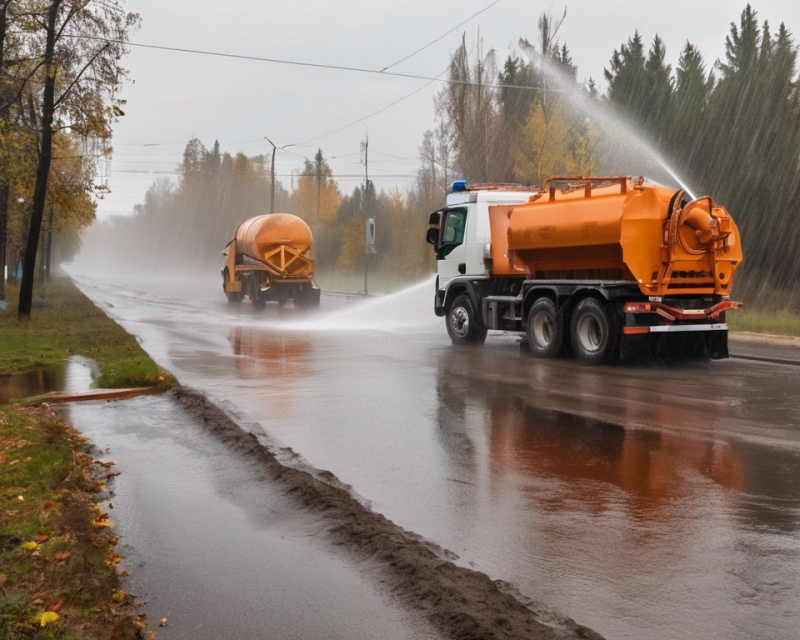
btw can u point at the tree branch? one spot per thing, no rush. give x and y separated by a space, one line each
78 77
72 12
22 86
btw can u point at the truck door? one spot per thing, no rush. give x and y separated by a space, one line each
450 249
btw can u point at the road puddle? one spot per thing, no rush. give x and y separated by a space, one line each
75 374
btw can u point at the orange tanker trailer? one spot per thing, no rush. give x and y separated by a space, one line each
268 261
587 266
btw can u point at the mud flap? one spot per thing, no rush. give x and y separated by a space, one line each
718 345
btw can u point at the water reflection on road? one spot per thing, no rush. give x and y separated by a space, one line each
643 502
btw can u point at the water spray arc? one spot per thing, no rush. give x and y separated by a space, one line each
635 146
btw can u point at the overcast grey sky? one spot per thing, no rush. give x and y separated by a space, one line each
173 96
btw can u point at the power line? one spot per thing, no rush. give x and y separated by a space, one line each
411 55
134 175
315 65
347 126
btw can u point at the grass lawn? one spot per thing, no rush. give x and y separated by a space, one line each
778 322
63 323
55 552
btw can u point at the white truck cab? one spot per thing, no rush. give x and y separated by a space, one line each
463 244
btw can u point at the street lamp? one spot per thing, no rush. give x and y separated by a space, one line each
272 191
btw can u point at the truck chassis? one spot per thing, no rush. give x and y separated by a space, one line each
596 321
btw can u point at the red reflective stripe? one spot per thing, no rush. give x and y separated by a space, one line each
629 330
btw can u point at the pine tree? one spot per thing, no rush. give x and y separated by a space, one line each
562 58
657 101
627 78
690 103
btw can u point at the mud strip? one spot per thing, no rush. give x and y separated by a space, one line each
460 602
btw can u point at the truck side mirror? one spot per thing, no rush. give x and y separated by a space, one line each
432 237
434 219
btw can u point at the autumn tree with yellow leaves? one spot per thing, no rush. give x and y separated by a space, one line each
316 196
74 49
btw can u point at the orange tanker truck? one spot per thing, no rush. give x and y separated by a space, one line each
593 267
267 260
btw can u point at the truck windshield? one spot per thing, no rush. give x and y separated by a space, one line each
455 221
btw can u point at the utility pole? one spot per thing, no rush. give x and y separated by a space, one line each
319 188
272 189
366 215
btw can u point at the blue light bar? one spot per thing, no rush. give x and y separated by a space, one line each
459 185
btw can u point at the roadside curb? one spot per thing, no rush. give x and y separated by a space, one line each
791 363
94 394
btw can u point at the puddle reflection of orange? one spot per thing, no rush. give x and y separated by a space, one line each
651 467
584 455
279 359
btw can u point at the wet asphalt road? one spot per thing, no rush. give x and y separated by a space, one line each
644 502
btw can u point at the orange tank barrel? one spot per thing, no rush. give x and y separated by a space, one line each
257 236
614 229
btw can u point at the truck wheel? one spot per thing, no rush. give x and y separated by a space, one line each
462 323
545 329
233 296
254 291
593 337
306 298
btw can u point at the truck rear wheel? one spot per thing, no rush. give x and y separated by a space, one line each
545 329
306 297
593 336
254 290
462 323
233 296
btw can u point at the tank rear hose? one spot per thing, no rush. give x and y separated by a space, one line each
698 220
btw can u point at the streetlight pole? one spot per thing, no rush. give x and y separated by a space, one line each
366 216
272 190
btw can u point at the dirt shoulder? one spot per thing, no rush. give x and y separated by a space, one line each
65 322
764 338
459 602
58 574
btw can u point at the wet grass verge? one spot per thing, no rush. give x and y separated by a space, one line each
460 602
65 322
57 577
780 323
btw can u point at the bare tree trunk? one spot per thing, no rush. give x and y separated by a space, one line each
43 170
49 248
4 189
3 236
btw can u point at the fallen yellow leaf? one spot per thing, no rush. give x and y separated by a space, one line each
119 596
48 617
29 546
102 523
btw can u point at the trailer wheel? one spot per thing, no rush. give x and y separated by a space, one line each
545 329
233 296
462 323
593 337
